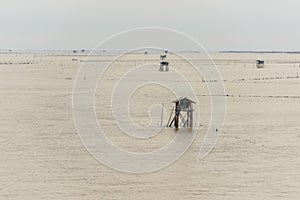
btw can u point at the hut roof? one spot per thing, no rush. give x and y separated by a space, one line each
260 61
164 63
183 99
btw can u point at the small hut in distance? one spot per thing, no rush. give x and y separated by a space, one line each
182 105
260 63
164 65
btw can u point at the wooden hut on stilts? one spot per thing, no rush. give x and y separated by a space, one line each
183 113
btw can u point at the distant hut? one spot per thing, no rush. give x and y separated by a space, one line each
260 63
164 65
163 57
182 105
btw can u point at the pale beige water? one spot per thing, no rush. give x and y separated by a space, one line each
257 157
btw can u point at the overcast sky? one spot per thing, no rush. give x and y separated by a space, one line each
217 24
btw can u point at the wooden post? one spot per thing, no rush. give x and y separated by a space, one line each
176 119
191 116
177 112
170 124
191 119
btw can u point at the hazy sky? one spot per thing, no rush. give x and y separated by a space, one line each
217 24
